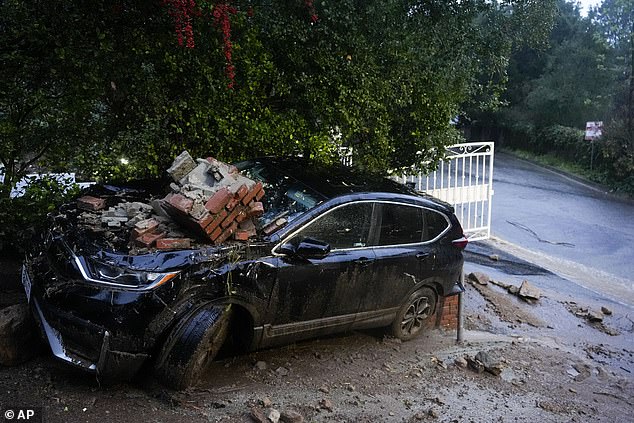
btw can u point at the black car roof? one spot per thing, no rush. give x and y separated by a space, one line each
336 180
333 180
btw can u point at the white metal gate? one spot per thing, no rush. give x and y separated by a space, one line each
465 180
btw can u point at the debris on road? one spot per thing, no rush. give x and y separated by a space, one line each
528 291
593 317
479 277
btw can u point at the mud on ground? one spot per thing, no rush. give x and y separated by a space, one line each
366 377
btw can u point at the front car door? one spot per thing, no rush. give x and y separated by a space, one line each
318 296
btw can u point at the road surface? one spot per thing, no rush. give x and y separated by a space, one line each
568 227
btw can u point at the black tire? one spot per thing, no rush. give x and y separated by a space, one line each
415 315
191 347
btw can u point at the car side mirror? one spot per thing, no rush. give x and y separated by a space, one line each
307 248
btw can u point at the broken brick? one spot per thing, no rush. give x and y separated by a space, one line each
148 239
241 192
241 235
181 203
242 216
204 221
146 225
219 200
90 203
256 209
274 226
173 243
252 193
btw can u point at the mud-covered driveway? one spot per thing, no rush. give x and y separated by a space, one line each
556 365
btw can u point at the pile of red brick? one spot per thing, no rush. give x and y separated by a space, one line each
208 197
213 199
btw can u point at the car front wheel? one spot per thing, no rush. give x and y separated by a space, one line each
192 346
415 315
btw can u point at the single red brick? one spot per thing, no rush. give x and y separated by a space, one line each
90 203
256 209
274 226
173 243
146 240
259 195
226 233
241 235
181 203
232 203
216 222
219 200
249 227
232 217
242 216
205 220
213 235
241 192
252 193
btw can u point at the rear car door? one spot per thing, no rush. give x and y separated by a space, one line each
404 254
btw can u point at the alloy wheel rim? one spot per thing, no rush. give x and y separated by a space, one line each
415 316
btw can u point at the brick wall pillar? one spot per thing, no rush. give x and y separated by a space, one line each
447 313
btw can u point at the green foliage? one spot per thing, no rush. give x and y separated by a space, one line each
103 87
22 216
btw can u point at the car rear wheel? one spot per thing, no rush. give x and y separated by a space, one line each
415 315
191 347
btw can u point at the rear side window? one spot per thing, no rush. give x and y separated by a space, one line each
435 222
404 224
400 224
344 227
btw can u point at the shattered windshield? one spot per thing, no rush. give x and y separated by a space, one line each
285 196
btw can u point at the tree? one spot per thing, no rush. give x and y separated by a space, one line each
104 87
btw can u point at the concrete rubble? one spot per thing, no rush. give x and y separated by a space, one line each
209 202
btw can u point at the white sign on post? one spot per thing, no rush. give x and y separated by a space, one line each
593 130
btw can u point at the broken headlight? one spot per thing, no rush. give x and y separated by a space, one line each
120 277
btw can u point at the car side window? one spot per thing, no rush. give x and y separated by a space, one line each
346 226
404 224
435 224
400 224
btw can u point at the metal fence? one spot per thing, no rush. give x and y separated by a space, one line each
464 179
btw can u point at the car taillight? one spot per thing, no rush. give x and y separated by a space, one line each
460 243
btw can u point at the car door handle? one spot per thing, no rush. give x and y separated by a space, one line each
421 256
363 261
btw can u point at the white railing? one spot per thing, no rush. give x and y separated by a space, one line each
465 180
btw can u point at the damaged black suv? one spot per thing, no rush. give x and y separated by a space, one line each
354 251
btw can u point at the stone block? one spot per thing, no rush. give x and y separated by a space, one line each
91 203
182 165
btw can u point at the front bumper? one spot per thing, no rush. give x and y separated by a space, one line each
81 343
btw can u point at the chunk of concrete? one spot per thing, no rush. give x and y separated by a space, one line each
528 291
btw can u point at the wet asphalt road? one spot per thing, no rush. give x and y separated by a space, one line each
563 219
